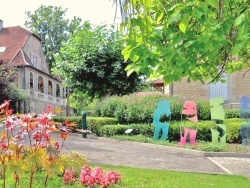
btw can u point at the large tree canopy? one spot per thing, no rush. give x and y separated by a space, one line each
49 23
197 39
91 61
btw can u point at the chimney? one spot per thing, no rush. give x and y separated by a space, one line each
1 24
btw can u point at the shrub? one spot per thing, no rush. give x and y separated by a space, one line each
140 108
203 134
232 113
95 124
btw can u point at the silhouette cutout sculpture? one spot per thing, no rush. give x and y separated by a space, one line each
190 113
245 119
163 107
218 115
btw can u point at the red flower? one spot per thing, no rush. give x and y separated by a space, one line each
64 135
3 146
37 137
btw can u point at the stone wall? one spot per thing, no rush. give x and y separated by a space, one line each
192 89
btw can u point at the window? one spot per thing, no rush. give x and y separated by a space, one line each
219 89
50 88
2 49
40 84
57 90
33 59
31 81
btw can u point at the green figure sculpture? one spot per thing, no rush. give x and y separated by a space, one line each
218 115
163 107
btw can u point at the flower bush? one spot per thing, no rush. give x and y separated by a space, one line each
26 145
92 177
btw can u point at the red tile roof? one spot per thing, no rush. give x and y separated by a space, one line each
13 38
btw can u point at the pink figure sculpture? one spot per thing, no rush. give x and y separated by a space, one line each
190 112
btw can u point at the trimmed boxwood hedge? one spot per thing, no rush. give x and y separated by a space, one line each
204 130
93 123
106 127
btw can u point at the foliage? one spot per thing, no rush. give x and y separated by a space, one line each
194 39
8 89
137 108
80 101
91 62
232 113
147 130
73 160
48 22
26 146
94 124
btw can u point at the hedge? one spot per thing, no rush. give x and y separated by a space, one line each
204 130
93 123
131 109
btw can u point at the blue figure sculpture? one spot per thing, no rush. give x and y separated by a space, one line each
218 115
245 119
163 107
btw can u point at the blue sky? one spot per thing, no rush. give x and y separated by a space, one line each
12 12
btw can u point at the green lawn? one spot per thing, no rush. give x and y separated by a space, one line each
137 178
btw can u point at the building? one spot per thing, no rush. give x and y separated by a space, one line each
236 85
22 49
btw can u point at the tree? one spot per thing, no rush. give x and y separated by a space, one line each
8 90
91 61
195 39
48 22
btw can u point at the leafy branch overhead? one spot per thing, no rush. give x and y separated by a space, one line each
91 61
195 39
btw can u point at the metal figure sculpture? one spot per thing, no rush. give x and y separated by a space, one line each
218 115
245 119
163 108
190 113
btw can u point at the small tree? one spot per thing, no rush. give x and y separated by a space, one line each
8 89
91 62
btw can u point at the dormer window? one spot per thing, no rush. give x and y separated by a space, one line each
2 49
33 59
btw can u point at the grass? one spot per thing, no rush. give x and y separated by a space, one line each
147 178
201 146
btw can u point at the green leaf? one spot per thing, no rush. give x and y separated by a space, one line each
239 20
238 47
213 3
203 6
198 13
159 17
187 44
226 27
184 23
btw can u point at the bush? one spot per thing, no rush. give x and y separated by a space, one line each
232 113
140 108
95 124
204 130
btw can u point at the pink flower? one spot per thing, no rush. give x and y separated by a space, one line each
98 174
69 176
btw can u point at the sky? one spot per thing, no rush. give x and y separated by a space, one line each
12 12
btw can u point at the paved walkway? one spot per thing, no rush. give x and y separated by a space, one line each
132 154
